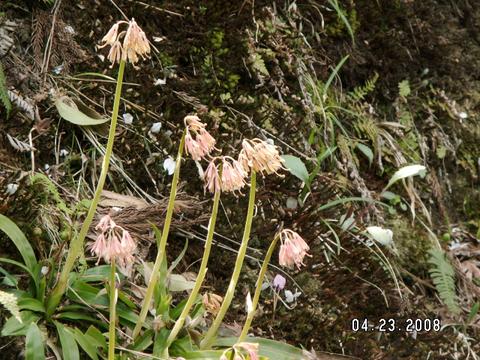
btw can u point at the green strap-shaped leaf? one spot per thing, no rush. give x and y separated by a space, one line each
20 241
97 336
34 344
87 343
67 340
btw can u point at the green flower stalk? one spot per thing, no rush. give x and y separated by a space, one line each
163 243
112 311
201 273
258 290
134 44
257 156
292 251
114 245
227 300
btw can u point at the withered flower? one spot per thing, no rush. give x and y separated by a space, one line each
113 242
203 143
135 43
260 156
292 249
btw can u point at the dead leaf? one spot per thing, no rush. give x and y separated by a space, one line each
471 269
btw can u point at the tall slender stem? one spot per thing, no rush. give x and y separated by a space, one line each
201 272
227 300
76 246
113 312
163 243
258 289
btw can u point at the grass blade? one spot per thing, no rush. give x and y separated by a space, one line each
20 241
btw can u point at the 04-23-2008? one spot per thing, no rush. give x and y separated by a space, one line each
396 325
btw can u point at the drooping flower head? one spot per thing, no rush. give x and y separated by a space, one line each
113 242
134 45
230 179
198 141
212 302
212 178
233 175
260 156
292 249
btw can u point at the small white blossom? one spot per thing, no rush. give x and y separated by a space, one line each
291 297
12 189
155 129
249 303
381 235
159 82
128 118
169 165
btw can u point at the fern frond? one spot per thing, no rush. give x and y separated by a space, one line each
443 276
359 92
4 92
50 189
10 302
23 104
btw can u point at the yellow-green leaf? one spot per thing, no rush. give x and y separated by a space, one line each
78 113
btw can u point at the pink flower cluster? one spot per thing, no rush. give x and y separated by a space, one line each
135 43
203 143
292 249
232 178
260 156
256 154
113 242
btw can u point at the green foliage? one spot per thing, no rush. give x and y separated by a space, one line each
259 65
20 241
50 190
404 88
443 276
5 100
78 113
346 18
34 343
296 167
360 92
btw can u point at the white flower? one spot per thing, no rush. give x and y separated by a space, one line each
63 152
128 118
249 303
12 189
155 129
291 297
381 235
169 165
159 82
463 115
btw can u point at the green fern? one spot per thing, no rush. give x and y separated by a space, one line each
10 302
443 276
359 92
3 92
